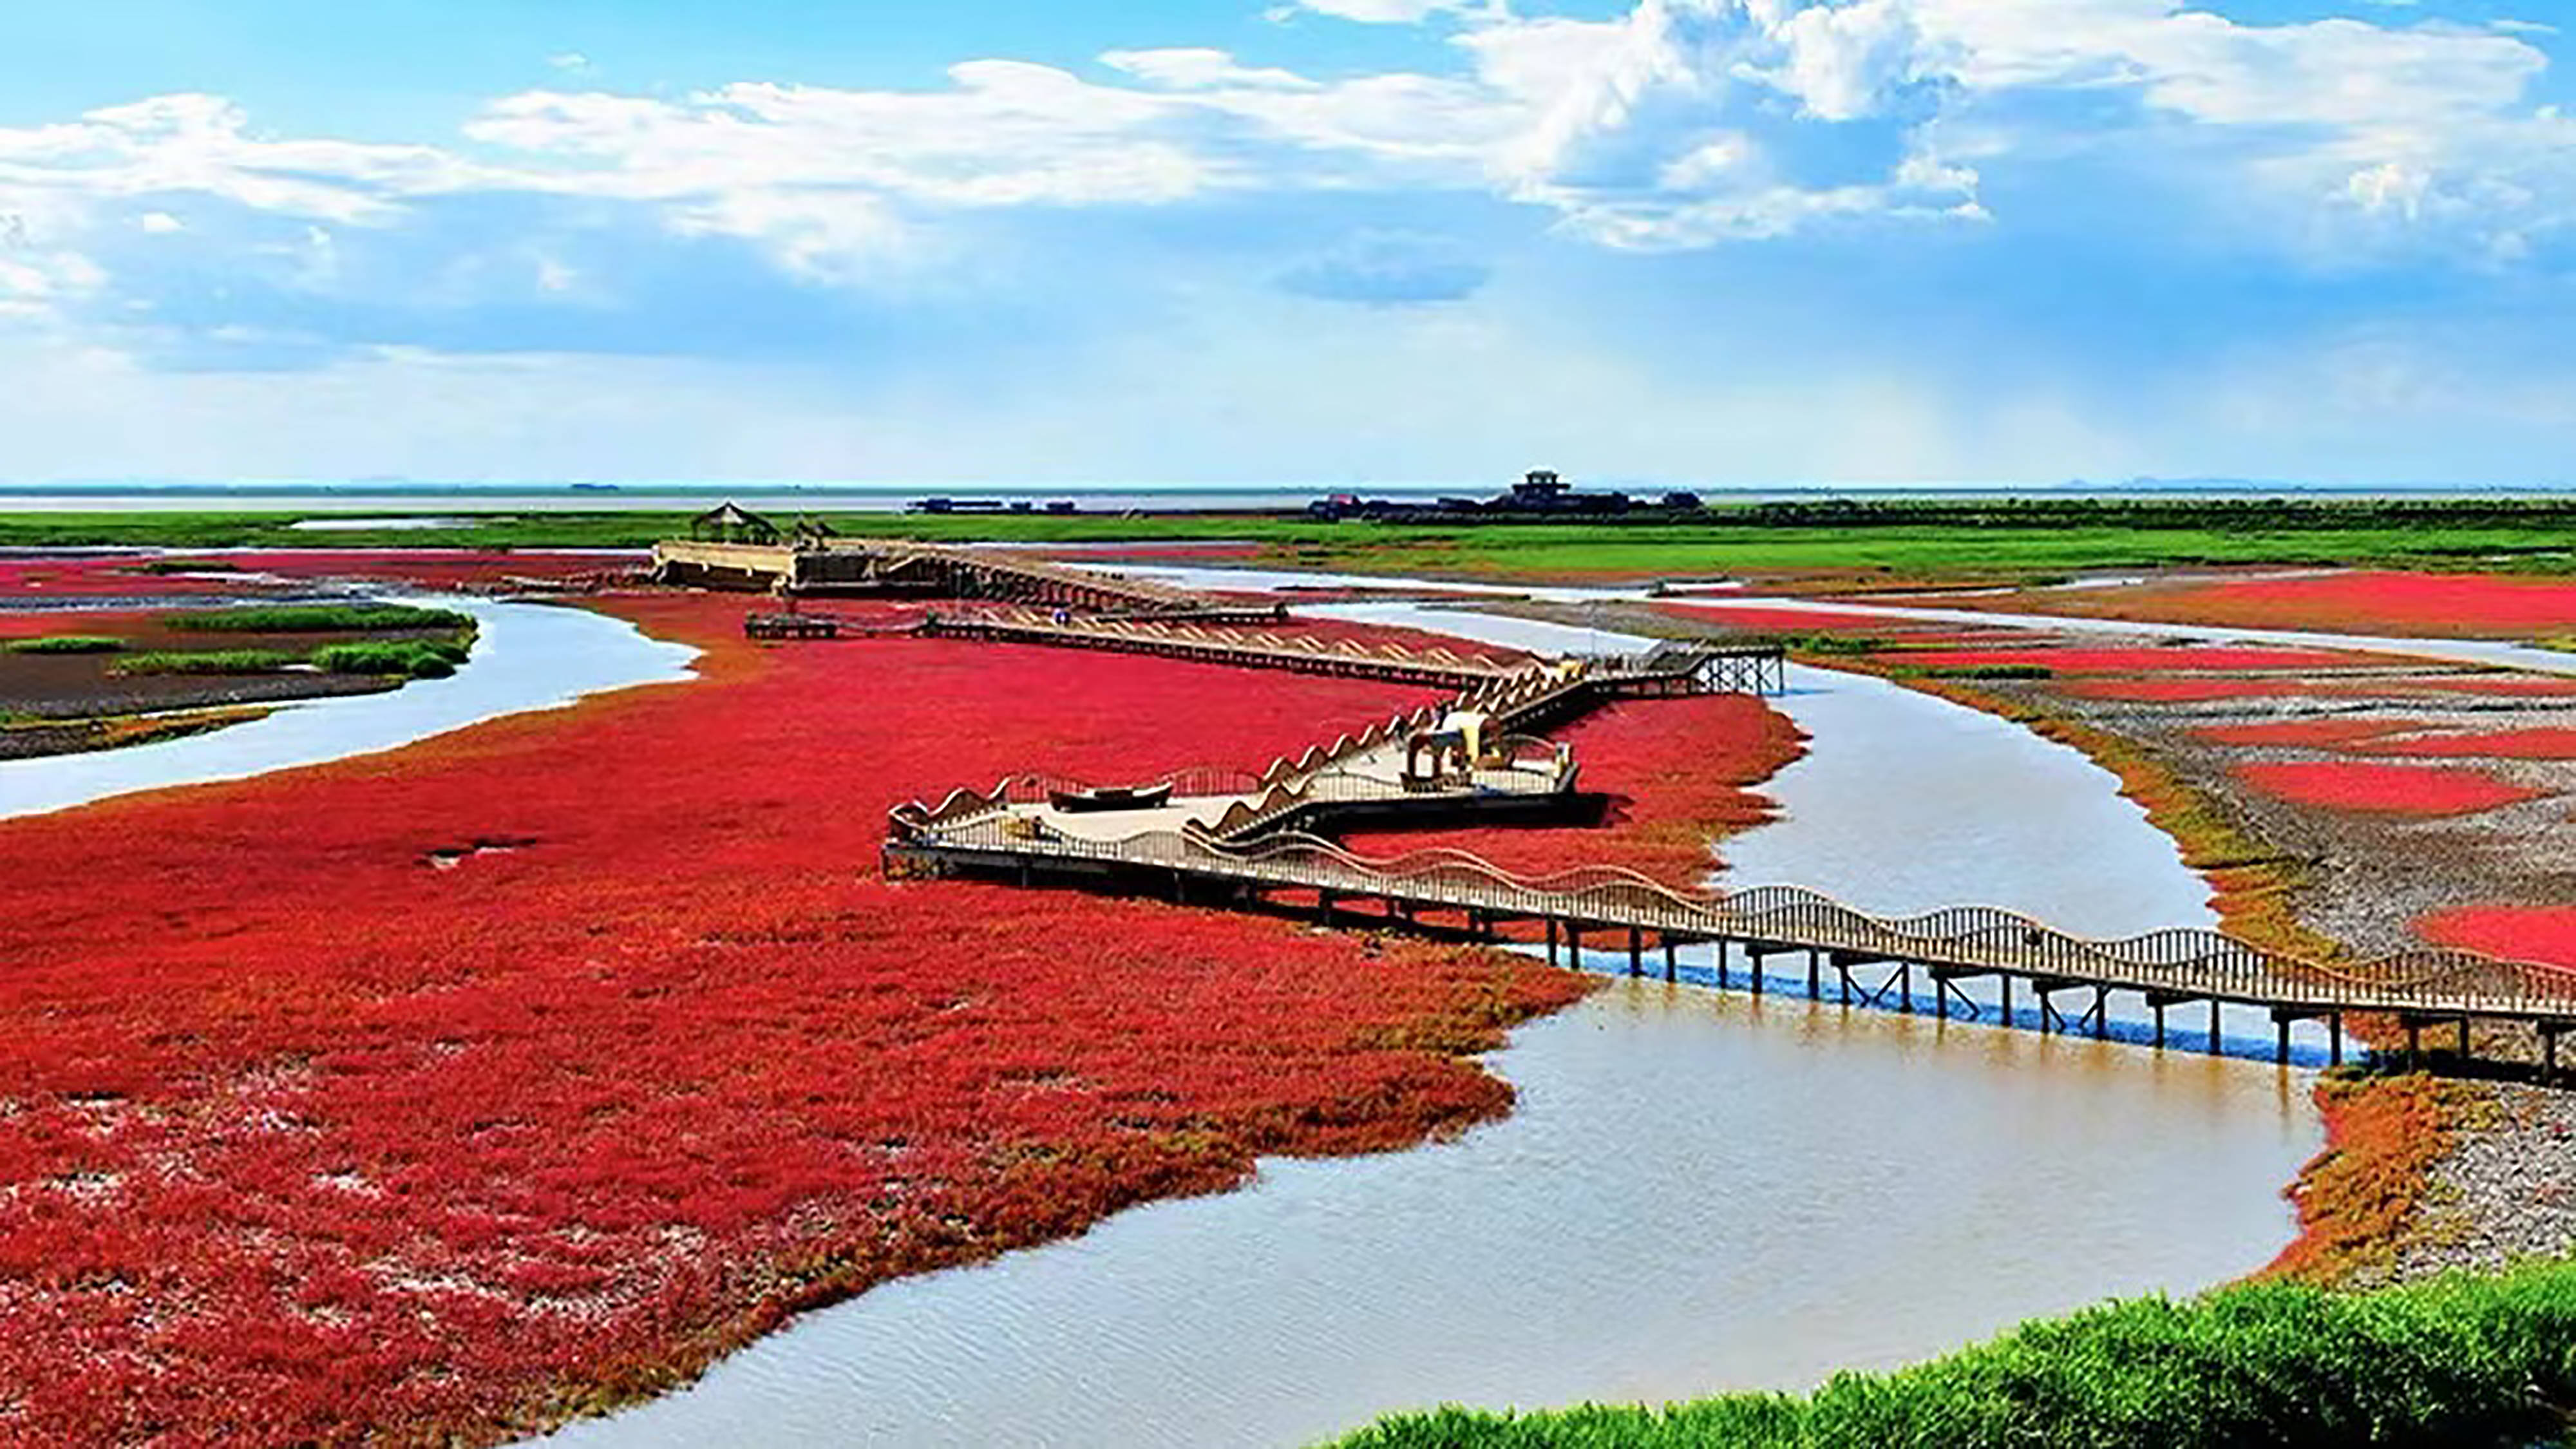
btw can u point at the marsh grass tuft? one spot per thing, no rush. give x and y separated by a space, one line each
411 658
207 661
321 619
68 644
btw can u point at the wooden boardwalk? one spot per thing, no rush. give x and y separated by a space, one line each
2168 968
908 568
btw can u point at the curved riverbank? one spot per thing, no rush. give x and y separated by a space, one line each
527 657
1695 1189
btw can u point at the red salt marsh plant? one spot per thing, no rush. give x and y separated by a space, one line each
2545 934
2525 744
2504 684
2200 689
2180 691
2317 733
1788 619
2084 660
2385 789
444 1093
46 623
431 567
2371 600
97 577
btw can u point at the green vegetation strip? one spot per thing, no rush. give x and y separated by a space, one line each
2460 1361
207 661
416 659
1983 538
68 644
320 619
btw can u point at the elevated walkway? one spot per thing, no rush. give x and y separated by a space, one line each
865 566
1184 860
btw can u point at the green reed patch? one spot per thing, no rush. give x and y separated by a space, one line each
321 619
68 644
2459 1361
207 661
407 658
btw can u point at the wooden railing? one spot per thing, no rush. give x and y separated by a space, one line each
1964 940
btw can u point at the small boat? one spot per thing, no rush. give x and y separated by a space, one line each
1111 797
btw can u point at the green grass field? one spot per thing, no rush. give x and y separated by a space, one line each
1924 540
2459 1363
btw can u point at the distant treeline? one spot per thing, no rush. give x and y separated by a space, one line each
2135 513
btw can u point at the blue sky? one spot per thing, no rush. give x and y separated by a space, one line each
1704 241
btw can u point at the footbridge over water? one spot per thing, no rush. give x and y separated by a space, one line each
1466 894
810 566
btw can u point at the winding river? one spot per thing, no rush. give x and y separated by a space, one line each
1698 1190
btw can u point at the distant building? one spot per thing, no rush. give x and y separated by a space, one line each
1542 492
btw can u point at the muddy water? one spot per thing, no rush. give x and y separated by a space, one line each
526 657
1698 1190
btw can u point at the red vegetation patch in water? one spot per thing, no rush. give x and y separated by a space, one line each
2385 601
2530 744
2319 733
2385 789
101 577
309 1140
1677 773
2543 934
2505 684
2078 660
1787 619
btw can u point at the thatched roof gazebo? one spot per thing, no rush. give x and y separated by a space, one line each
730 522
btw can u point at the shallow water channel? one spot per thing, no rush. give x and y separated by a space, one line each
526 657
1698 1191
